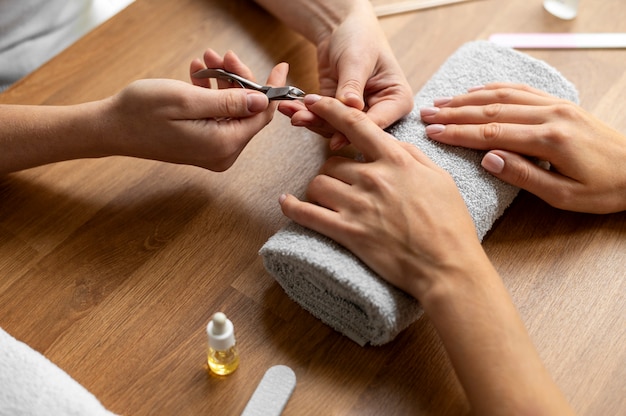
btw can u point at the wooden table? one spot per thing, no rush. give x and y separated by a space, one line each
113 267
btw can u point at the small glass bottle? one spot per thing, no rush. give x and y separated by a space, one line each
563 9
223 357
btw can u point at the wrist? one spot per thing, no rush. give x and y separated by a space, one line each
461 271
315 20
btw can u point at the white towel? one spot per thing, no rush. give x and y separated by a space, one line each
329 281
31 385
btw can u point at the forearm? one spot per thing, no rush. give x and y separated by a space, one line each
315 20
36 135
489 346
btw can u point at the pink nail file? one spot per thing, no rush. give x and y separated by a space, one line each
560 40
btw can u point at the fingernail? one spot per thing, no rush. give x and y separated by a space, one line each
312 98
282 198
492 163
257 102
438 102
435 129
476 88
428 111
339 143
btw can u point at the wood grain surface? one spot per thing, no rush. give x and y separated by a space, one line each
112 267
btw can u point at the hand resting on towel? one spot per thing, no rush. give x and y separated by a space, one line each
403 216
513 121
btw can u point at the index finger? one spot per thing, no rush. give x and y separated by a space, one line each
362 132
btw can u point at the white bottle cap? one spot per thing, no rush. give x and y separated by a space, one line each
221 332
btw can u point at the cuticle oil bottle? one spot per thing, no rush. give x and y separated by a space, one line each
223 357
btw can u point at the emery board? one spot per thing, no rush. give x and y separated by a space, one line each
272 393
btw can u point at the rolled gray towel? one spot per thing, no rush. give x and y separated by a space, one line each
329 281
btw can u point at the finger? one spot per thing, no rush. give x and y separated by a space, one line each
481 114
328 192
351 82
195 66
342 169
312 216
350 89
233 64
289 108
522 87
338 141
531 140
362 132
523 173
311 121
506 95
387 111
278 75
214 60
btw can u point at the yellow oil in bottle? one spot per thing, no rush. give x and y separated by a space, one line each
223 362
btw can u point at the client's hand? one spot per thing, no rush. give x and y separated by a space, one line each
587 157
397 211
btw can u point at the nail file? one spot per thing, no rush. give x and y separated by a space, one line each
560 40
272 393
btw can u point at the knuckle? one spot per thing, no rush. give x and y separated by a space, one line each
562 197
522 175
372 180
234 103
504 94
492 111
315 187
231 104
352 84
564 110
491 132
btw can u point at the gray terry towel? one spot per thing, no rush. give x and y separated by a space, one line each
329 281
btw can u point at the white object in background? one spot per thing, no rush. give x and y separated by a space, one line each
563 9
560 40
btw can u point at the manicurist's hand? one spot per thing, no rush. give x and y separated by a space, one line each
586 156
160 119
177 122
355 62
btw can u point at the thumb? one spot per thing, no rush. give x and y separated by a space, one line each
351 84
525 174
229 102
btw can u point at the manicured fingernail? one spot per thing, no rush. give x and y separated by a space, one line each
257 102
492 163
476 88
428 111
438 102
337 144
435 129
282 198
312 98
